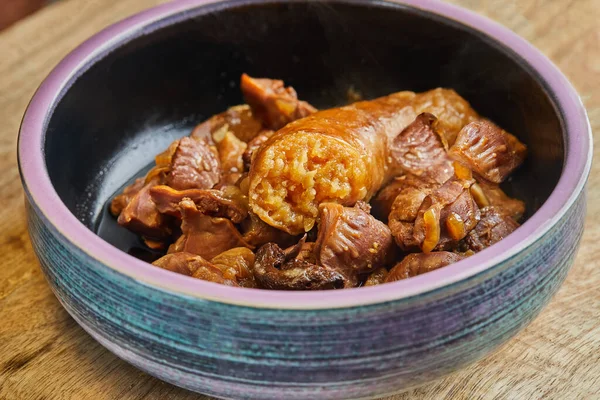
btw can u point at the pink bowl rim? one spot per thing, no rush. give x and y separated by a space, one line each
37 182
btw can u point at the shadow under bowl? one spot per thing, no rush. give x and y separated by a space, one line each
126 93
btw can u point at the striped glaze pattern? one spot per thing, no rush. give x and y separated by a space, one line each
242 352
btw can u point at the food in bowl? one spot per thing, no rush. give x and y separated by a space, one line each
110 105
274 194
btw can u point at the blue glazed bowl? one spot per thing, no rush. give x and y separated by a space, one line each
127 92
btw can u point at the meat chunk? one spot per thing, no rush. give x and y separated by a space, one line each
377 277
453 111
185 164
194 266
404 211
193 166
162 163
182 263
204 235
420 263
256 233
273 103
141 215
419 149
352 241
253 145
273 269
236 265
230 150
426 216
121 201
490 194
238 120
157 175
383 202
228 202
488 150
495 225
446 216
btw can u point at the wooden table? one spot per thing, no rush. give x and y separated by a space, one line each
44 354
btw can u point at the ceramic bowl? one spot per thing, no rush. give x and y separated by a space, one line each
124 94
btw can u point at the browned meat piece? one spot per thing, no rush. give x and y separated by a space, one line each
230 150
182 263
494 226
194 266
377 277
213 274
237 120
420 263
419 149
163 163
453 112
446 216
141 215
383 202
273 270
204 235
236 265
120 202
256 233
156 175
425 214
253 145
164 159
352 241
404 211
488 150
227 202
193 166
490 194
273 103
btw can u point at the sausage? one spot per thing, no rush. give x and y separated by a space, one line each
339 155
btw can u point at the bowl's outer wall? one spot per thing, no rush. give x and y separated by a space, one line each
241 352
132 102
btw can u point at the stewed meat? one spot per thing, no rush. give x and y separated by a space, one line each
273 269
352 241
420 263
488 150
274 194
204 235
495 224
273 103
194 266
193 166
227 202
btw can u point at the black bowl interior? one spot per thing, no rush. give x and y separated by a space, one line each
132 102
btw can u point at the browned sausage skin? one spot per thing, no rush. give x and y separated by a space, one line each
344 155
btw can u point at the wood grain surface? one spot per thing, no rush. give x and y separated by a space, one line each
44 354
